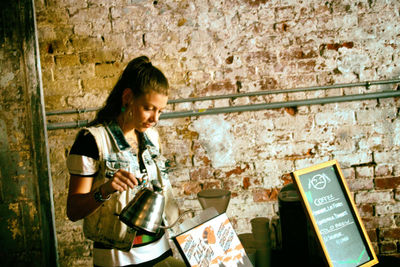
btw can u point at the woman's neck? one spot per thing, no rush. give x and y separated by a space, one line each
126 129
130 134
132 138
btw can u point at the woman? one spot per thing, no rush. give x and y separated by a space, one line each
107 163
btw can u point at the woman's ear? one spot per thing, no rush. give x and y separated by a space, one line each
127 96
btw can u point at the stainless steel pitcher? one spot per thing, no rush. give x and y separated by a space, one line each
144 211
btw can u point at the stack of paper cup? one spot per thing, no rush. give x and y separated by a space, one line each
252 255
262 242
248 242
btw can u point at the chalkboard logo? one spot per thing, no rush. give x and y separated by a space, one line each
319 181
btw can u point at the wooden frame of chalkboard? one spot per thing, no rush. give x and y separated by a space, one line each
334 216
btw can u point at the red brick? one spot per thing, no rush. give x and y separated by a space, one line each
260 56
238 170
387 183
222 87
234 222
212 185
372 235
307 66
360 184
185 133
201 174
388 247
229 60
255 3
333 46
286 178
291 110
348 44
205 160
181 22
321 9
264 195
257 181
296 54
336 46
199 155
366 210
389 234
268 84
377 222
234 184
246 183
190 188
299 54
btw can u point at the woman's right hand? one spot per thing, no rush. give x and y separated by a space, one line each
80 201
120 181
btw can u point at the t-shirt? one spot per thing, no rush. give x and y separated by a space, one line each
84 155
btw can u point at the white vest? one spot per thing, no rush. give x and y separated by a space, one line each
103 225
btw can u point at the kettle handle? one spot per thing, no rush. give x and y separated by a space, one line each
172 225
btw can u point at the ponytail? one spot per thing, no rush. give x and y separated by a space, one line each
141 77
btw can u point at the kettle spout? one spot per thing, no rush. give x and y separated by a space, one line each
177 220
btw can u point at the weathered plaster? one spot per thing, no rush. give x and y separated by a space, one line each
216 137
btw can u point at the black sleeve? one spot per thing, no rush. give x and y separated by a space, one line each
85 145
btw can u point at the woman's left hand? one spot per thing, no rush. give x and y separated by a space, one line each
121 181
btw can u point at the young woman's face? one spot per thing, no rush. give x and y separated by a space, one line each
146 110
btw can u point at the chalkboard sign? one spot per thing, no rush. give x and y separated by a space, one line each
334 216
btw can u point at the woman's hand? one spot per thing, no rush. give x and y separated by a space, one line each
81 202
120 181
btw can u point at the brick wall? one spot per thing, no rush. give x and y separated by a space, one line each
224 47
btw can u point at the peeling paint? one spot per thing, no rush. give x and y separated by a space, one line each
216 137
12 223
352 62
32 213
6 78
14 229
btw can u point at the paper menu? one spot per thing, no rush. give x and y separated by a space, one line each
212 243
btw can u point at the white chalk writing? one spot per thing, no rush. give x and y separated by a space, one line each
325 200
328 208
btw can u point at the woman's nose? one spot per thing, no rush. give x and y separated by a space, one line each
155 116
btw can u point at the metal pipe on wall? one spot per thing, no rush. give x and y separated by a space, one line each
366 84
252 107
285 104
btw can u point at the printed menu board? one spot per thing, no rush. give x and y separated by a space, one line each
334 216
213 243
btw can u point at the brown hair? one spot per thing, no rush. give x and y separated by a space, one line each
141 77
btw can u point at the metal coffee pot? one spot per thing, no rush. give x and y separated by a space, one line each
144 211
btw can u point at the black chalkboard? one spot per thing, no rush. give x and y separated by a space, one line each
334 216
